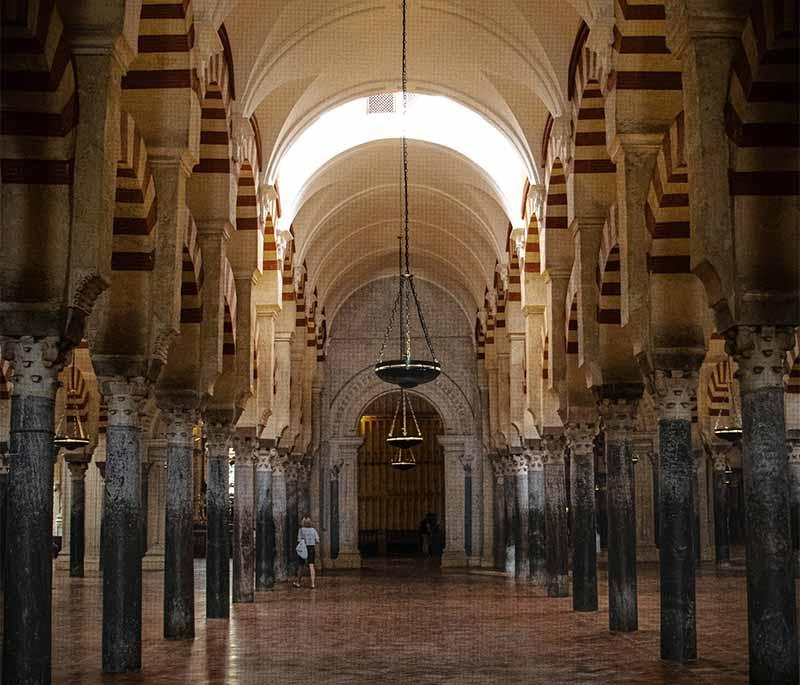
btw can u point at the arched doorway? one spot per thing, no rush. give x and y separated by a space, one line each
392 503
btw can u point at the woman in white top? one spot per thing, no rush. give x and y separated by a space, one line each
309 535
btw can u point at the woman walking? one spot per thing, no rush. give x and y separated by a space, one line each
307 537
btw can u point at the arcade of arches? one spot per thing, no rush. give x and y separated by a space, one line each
200 204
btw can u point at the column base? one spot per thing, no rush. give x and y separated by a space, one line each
153 560
344 560
557 586
453 559
474 562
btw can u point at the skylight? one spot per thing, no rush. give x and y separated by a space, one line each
431 118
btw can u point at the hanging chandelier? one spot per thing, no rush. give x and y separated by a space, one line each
405 438
406 370
69 431
732 429
403 460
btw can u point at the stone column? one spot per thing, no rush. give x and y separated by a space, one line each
292 523
722 550
78 464
580 440
794 495
642 452
304 487
772 618
455 458
122 566
279 465
3 520
265 526
512 521
522 563
347 451
29 502
675 390
334 512
537 549
218 431
555 517
180 416
499 508
618 405
244 571
143 527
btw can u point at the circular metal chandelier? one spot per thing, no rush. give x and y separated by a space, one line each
404 438
403 460
406 370
732 429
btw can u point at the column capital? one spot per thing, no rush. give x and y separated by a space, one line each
77 469
4 464
125 398
263 458
554 445
580 438
759 352
218 428
36 363
688 23
536 459
675 392
180 415
793 443
618 407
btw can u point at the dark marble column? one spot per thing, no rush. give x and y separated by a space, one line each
279 515
180 418
122 566
334 484
772 617
794 495
3 519
512 522
244 570
29 506
618 406
499 516
292 518
304 488
537 549
580 440
722 548
675 390
218 600
522 563
146 466
77 514
265 526
555 518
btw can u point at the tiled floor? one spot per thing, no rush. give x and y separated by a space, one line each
398 624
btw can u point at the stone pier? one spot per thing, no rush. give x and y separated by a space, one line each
555 503
537 550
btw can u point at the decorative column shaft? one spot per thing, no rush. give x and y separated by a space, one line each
3 519
218 588
457 456
292 523
537 549
618 406
522 563
122 566
555 518
794 495
265 526
499 511
580 439
675 390
771 602
279 514
77 515
29 507
244 571
180 418
512 520
722 548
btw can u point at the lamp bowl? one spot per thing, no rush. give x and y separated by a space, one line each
69 444
404 442
731 434
408 374
403 465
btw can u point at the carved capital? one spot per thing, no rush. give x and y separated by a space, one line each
675 392
580 439
760 353
336 469
561 137
536 459
263 460
554 446
125 398
180 421
77 469
793 444
4 464
218 435
36 364
619 417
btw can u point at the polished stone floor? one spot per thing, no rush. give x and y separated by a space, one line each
400 623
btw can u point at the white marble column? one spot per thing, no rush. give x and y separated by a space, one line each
642 448
156 454
454 460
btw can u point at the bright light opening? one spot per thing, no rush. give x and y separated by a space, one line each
431 118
